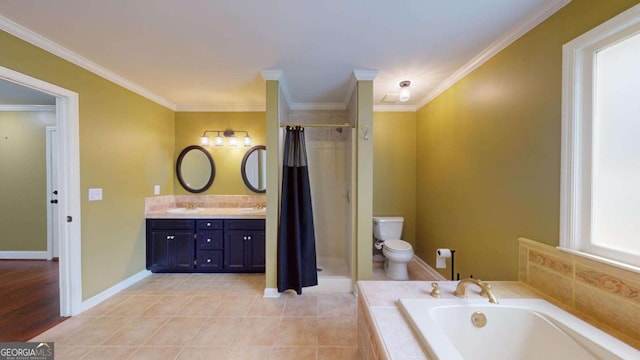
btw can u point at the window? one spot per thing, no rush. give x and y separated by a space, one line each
600 204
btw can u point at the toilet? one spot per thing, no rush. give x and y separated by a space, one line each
397 253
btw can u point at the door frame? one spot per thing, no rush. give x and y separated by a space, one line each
51 169
68 157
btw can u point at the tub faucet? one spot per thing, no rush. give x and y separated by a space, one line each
461 289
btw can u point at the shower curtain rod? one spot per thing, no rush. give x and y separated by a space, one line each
321 125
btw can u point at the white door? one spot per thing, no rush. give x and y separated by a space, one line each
52 194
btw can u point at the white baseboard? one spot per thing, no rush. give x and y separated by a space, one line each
24 255
97 299
429 269
271 293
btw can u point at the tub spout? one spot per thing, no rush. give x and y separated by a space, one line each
461 289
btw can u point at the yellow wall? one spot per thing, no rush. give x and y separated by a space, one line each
488 169
126 147
23 182
272 125
228 180
364 179
394 168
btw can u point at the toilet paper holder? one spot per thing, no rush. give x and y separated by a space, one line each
441 255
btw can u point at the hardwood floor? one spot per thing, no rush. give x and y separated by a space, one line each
29 298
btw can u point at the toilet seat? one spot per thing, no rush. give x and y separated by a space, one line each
398 246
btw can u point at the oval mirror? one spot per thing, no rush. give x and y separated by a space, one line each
195 168
254 169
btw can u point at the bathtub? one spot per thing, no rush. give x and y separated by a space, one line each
514 329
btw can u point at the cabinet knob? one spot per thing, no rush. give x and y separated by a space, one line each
244 238
208 260
208 224
248 237
208 240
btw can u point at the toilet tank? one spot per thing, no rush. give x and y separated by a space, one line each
387 227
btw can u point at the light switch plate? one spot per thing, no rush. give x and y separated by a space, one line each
95 194
156 190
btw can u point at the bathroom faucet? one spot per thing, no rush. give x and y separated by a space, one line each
461 289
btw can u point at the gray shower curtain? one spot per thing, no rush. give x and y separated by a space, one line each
296 237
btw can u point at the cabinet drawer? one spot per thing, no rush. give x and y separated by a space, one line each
173 224
244 224
210 239
209 259
208 224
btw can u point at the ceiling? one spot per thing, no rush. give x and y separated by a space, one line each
194 54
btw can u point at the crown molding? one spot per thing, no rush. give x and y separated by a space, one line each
353 83
285 92
40 41
220 108
395 108
365 75
271 74
27 108
494 48
318 106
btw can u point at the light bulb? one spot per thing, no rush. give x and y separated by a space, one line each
247 140
404 94
204 141
233 141
218 140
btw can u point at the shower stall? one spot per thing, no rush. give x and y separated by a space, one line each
329 154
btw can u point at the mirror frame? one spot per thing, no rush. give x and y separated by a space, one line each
244 173
183 153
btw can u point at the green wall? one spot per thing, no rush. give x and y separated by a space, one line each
228 180
126 147
23 181
394 168
488 169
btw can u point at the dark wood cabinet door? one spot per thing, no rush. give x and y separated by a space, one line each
159 248
256 253
171 250
183 250
235 250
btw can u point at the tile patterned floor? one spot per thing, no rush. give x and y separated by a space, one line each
209 316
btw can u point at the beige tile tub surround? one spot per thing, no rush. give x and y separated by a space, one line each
608 294
157 203
384 333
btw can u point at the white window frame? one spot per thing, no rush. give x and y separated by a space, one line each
577 119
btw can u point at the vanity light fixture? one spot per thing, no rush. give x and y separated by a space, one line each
218 140
404 94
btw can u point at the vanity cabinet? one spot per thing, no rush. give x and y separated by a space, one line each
244 245
205 245
170 246
209 245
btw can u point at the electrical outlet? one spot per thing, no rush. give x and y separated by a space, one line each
95 194
156 190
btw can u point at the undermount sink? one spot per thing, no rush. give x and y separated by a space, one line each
184 210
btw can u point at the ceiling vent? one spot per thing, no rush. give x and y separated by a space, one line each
390 99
